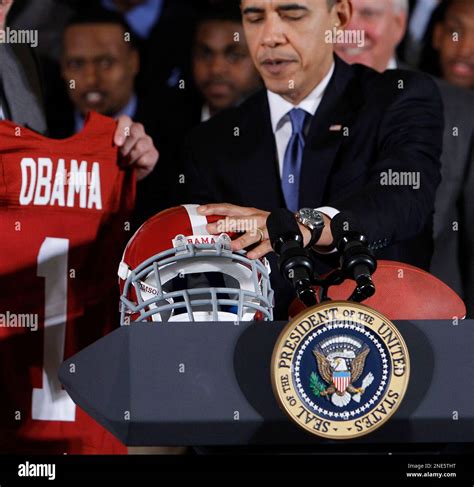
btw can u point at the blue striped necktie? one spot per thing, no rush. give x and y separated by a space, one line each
294 159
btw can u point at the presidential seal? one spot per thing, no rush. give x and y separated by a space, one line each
340 370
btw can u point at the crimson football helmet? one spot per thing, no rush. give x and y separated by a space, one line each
173 270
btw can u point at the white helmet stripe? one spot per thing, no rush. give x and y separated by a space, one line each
198 222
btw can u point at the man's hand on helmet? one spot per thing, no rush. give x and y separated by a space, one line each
250 223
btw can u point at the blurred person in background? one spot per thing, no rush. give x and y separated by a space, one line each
384 24
223 74
99 66
223 71
449 51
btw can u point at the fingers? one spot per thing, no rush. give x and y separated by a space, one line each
142 146
145 164
137 140
122 132
225 209
261 250
246 240
136 147
250 224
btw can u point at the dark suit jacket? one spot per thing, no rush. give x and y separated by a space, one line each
168 47
21 87
453 235
453 254
394 122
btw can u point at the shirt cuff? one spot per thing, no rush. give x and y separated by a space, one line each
330 212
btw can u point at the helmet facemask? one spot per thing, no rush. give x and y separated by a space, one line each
197 281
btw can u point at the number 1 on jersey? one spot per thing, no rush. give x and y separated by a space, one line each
52 402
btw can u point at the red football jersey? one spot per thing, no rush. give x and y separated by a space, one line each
64 212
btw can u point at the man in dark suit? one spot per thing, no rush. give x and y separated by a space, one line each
453 254
323 135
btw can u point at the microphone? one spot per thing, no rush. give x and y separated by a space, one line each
357 260
295 262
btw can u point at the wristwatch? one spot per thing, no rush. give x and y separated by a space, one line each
313 220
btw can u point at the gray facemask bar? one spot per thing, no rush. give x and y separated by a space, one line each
259 300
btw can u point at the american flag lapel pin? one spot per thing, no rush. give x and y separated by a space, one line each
335 128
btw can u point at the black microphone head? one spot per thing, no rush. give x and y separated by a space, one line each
282 227
342 224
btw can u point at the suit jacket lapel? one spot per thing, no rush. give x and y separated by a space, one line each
337 110
258 166
23 103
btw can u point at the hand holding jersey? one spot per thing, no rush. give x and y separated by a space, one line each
136 147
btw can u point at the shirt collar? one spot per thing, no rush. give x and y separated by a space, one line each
129 109
392 64
279 107
205 113
141 18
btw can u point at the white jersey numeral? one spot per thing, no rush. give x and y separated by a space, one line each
52 402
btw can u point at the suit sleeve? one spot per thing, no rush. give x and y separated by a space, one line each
409 142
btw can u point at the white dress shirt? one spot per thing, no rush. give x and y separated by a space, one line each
281 123
2 115
279 109
205 113
392 64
